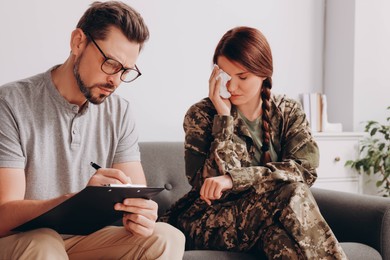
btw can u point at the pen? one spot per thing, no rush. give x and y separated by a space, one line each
96 166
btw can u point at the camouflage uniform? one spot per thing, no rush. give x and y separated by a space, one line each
270 208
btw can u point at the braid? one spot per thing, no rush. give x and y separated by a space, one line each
265 96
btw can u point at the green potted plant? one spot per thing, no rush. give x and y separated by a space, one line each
375 155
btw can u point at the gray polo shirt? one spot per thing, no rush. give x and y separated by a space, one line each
55 142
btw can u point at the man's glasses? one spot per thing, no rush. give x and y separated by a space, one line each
111 66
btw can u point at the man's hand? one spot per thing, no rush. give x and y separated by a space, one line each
105 176
139 216
213 187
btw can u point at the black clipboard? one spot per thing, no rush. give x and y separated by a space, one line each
88 211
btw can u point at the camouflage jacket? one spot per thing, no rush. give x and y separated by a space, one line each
224 145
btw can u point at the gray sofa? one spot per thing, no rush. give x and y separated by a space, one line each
360 222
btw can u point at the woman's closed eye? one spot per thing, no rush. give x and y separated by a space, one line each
242 75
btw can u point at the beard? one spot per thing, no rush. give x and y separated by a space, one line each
87 90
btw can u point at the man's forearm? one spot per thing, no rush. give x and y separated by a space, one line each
17 212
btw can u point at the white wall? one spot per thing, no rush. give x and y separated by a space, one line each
339 61
372 62
357 61
176 62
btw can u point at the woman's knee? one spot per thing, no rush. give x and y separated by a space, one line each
295 190
297 187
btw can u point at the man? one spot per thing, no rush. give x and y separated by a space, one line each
50 131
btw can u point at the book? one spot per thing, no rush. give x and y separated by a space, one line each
314 112
306 106
315 108
319 112
88 211
326 126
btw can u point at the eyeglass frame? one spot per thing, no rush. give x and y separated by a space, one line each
123 69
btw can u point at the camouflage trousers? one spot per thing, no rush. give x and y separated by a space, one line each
284 224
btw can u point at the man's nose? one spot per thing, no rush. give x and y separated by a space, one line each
115 79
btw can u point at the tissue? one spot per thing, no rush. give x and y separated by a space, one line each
223 92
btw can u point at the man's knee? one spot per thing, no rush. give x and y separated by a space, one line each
168 241
41 243
169 235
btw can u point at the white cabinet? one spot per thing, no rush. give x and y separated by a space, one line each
335 150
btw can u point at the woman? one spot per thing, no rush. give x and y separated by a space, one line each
250 160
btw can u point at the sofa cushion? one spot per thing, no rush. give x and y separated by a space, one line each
218 255
358 251
354 251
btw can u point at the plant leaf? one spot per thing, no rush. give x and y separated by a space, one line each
379 183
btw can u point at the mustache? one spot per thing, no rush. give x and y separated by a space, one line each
106 86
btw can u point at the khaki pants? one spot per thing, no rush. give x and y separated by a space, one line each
111 242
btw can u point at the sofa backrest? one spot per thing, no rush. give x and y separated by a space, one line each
163 164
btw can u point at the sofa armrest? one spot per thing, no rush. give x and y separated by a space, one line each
357 218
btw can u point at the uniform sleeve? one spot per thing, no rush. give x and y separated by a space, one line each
299 156
210 143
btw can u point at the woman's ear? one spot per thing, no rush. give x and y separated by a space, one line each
78 41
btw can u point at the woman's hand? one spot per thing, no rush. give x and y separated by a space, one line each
222 105
213 187
139 216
